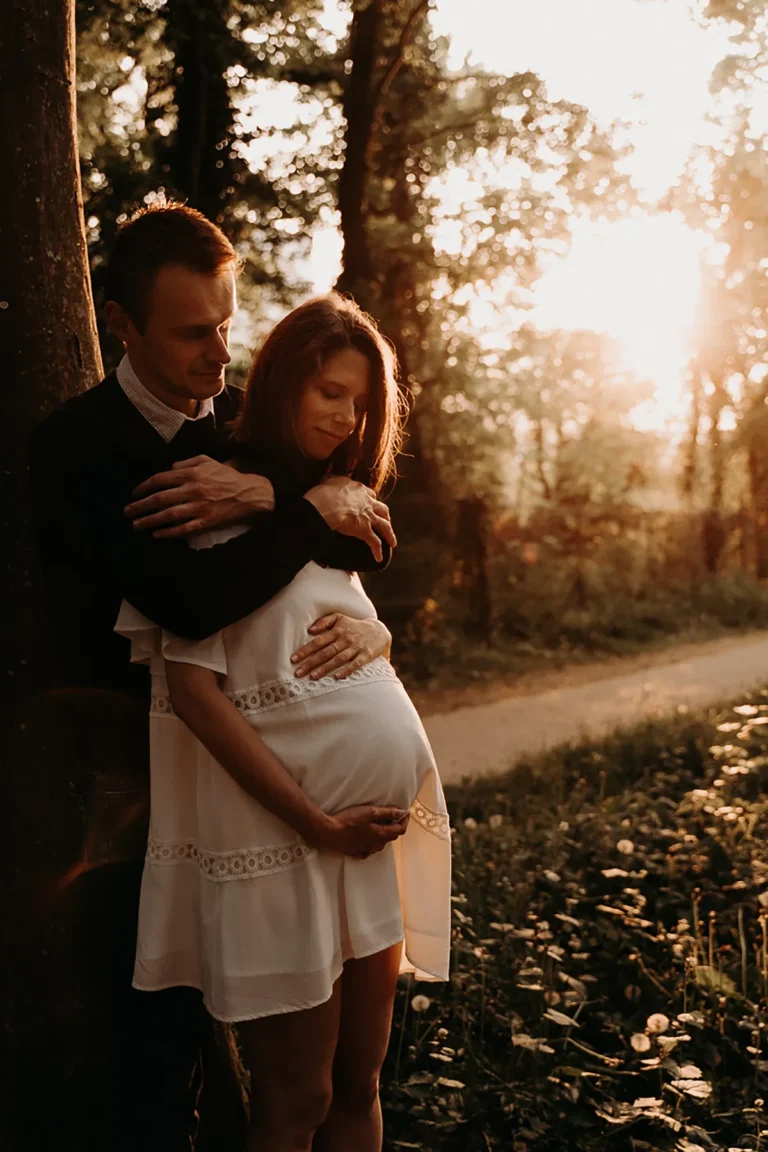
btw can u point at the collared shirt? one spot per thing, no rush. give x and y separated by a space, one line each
165 420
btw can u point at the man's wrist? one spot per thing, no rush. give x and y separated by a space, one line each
258 495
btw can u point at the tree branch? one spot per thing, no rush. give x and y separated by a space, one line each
396 63
380 90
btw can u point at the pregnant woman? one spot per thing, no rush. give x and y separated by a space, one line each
256 888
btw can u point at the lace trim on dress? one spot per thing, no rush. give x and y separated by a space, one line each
240 864
435 822
276 693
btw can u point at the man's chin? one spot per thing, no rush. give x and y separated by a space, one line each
206 387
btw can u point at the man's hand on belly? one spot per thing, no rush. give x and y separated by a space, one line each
340 646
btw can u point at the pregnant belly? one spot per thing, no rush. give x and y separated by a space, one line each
362 744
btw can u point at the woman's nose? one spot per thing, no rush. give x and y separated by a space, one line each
348 416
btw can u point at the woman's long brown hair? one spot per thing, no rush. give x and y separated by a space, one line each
295 351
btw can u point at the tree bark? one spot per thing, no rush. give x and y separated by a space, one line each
49 351
49 343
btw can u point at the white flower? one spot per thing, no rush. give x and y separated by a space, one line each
626 847
698 1088
496 820
420 1003
658 1022
470 823
640 1042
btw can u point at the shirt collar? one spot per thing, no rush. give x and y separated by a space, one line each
165 420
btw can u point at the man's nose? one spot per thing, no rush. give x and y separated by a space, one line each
219 348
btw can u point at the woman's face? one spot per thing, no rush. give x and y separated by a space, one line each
333 403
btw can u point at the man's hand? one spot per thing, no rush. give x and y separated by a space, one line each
197 495
361 831
349 507
340 646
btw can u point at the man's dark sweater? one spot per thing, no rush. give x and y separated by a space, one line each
85 460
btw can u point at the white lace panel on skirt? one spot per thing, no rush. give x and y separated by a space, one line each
239 864
276 693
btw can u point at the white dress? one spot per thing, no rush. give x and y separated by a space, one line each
233 901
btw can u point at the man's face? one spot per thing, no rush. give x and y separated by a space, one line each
184 347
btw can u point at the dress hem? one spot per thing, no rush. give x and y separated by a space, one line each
283 1010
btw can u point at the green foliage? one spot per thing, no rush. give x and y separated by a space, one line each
610 972
563 613
165 89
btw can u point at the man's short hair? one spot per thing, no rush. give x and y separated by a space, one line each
154 237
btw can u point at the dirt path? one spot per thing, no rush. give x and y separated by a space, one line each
471 738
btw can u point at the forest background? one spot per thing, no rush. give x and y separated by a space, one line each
580 323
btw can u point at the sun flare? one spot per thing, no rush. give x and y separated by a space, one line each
638 281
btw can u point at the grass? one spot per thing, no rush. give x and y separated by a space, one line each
610 953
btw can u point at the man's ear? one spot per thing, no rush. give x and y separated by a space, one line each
118 321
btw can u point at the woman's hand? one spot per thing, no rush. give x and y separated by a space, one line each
340 646
360 831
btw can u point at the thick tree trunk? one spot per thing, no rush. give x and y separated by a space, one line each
49 344
49 351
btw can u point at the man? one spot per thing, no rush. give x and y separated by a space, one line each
164 413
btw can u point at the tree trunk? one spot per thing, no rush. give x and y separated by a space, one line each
49 352
198 155
758 492
357 107
714 535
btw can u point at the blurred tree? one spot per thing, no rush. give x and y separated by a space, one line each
725 192
515 164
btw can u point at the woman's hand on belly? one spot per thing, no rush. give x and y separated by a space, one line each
340 646
362 830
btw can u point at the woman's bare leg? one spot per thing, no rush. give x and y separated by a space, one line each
353 1123
290 1057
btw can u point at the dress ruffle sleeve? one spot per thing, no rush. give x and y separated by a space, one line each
151 644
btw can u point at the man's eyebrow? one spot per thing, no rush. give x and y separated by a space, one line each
193 327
